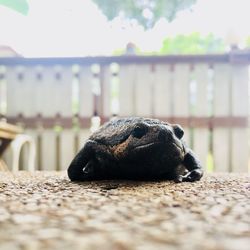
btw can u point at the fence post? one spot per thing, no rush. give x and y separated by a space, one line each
22 88
181 102
201 135
221 108
86 104
163 91
105 86
239 107
144 90
127 79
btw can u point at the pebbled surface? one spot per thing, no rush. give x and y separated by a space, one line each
45 210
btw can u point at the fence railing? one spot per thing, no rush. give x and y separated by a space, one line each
58 100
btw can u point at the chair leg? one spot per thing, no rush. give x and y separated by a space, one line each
17 145
3 166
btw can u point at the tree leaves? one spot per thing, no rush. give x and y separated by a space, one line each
20 6
146 12
193 43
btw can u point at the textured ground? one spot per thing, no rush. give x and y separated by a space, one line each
47 211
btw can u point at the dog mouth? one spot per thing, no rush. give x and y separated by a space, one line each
147 145
178 145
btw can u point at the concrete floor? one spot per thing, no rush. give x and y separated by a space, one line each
46 211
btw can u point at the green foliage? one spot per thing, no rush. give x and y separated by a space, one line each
192 44
20 6
210 163
185 44
248 42
146 12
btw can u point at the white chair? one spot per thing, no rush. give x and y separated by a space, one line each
16 147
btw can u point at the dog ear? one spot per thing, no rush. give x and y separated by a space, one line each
178 131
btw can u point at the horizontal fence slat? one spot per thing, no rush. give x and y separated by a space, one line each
125 59
66 122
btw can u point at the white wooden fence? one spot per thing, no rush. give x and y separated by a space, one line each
56 100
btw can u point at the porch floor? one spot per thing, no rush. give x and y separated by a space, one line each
45 210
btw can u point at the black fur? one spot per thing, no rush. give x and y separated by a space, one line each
136 148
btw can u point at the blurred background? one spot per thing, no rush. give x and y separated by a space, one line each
91 27
68 66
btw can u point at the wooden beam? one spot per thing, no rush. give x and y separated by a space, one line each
196 122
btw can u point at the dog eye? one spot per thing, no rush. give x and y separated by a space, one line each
139 132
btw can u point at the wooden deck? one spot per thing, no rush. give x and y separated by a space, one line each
45 210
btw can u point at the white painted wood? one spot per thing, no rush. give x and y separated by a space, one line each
240 149
86 104
181 82
240 80
21 94
141 92
11 84
201 135
13 92
55 95
2 89
8 155
144 91
83 137
162 95
181 103
66 148
63 91
221 136
45 94
48 150
34 133
52 96
127 76
187 136
201 145
221 149
106 98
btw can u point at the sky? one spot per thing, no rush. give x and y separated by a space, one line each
78 28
